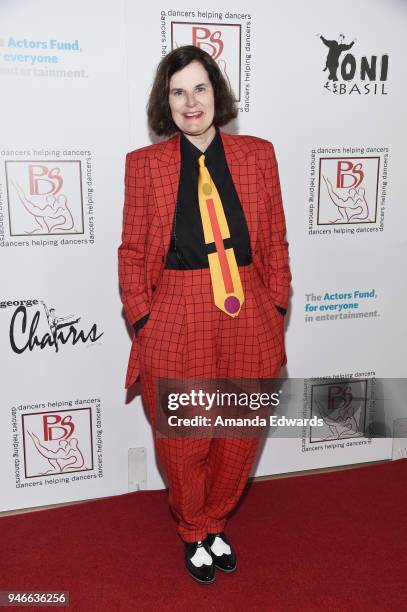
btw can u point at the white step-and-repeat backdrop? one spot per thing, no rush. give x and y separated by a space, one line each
326 84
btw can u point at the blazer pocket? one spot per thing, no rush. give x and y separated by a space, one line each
278 312
269 306
147 324
140 332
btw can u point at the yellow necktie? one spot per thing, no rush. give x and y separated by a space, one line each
226 284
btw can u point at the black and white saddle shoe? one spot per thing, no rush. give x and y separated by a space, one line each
225 561
197 557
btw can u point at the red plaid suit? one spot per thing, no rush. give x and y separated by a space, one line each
151 188
186 335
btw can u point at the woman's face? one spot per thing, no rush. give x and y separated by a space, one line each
191 99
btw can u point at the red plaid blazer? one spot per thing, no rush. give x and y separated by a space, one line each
151 189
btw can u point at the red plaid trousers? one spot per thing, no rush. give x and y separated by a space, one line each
187 336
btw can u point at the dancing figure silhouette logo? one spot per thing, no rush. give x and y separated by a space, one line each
351 74
45 198
342 406
57 442
27 330
348 190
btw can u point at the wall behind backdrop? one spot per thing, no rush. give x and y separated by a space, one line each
327 85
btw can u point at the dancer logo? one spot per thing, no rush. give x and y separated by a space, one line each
348 74
348 190
221 41
57 442
44 328
342 407
45 197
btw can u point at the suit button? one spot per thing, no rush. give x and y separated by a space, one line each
153 287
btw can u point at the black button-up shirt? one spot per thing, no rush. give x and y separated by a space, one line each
187 248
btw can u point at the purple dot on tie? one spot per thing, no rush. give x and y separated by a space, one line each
232 304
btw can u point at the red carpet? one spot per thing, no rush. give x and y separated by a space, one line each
332 542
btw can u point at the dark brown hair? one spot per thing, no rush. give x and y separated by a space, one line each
158 107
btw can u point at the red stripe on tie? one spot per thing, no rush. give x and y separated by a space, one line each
220 248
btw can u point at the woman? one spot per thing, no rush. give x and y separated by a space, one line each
204 274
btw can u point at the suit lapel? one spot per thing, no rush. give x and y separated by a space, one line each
242 166
165 173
